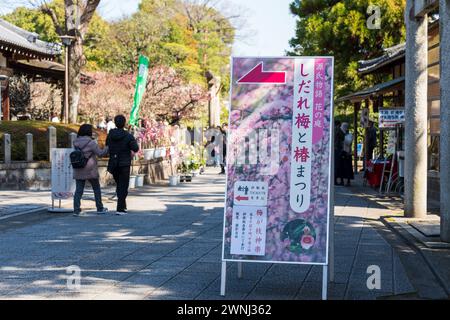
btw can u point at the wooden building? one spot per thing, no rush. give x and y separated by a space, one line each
22 53
390 67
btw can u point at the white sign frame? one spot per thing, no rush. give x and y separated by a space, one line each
328 266
65 152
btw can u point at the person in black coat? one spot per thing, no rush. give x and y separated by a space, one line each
121 144
371 140
339 137
223 130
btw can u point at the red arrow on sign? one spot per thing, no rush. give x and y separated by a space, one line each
239 198
258 75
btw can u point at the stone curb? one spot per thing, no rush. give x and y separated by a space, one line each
416 244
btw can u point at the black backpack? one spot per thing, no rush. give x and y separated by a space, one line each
77 158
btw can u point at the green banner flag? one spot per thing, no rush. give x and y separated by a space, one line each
141 82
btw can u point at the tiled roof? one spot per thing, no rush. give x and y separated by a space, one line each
49 67
376 89
390 55
28 41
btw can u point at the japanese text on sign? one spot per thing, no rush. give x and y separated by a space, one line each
279 160
248 236
250 193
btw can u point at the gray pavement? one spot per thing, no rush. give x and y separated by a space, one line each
169 247
19 202
15 202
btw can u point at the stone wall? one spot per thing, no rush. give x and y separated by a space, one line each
37 175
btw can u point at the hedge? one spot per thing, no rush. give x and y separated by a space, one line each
19 129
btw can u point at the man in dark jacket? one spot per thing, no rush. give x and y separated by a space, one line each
223 131
371 140
121 144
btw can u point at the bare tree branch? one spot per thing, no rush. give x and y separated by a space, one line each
88 13
52 14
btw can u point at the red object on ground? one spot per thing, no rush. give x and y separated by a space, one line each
375 172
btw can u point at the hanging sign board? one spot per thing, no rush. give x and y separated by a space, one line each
63 184
389 117
278 160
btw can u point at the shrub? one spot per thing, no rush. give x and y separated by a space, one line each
19 129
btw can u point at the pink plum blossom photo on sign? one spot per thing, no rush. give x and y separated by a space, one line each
277 205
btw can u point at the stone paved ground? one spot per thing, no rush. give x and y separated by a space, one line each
169 247
15 202
21 201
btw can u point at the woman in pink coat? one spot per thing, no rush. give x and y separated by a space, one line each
91 150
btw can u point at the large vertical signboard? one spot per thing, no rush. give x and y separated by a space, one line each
279 160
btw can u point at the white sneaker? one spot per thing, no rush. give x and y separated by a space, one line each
121 213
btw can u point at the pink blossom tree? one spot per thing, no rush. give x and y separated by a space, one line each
167 98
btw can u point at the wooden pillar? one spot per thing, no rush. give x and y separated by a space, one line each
357 106
365 158
381 144
5 103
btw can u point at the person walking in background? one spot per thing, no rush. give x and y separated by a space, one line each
371 140
345 158
212 143
109 125
102 124
223 131
339 137
121 144
90 149
55 118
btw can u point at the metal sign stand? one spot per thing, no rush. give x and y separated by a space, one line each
223 278
325 270
59 209
324 282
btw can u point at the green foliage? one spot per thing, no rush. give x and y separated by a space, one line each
19 129
34 20
191 158
338 28
192 39
224 114
96 55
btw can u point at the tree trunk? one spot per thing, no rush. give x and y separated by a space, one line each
76 62
77 18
